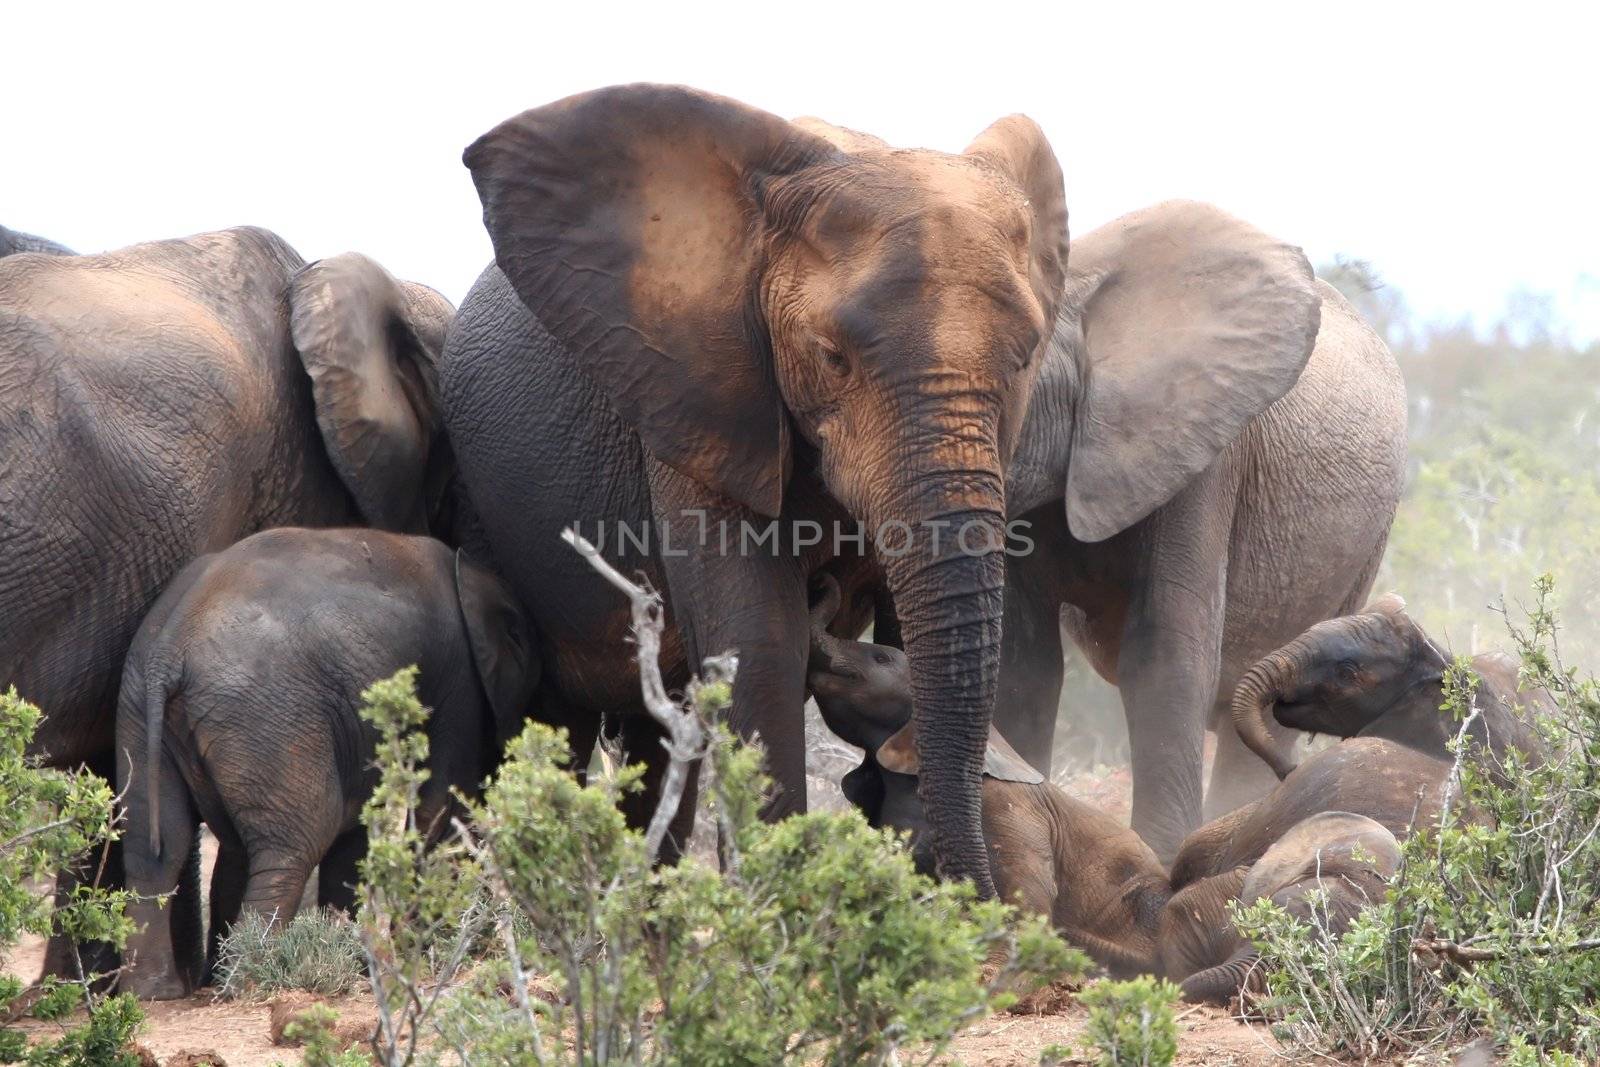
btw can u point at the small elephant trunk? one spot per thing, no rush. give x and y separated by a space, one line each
1220 984
824 646
1253 698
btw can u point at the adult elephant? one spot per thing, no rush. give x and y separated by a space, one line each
1211 461
163 401
738 319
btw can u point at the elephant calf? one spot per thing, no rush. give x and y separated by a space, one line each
1098 882
238 707
1332 825
1325 870
1376 674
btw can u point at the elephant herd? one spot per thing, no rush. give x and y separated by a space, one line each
769 358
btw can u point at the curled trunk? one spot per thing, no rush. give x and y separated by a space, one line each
1257 692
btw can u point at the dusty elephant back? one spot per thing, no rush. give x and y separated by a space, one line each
150 401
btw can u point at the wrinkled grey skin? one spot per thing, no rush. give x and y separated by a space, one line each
1051 855
164 400
15 241
1324 870
238 708
1376 674
1256 461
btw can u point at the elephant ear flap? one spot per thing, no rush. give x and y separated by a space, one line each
1017 148
630 222
1193 323
371 345
502 646
899 753
1002 761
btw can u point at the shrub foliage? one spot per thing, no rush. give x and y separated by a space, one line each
814 941
48 819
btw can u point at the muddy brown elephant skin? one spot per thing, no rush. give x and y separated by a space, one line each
1051 855
164 400
1375 673
238 708
1211 461
1324 870
707 316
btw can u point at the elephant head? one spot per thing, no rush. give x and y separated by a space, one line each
1341 677
371 344
502 648
1325 870
747 290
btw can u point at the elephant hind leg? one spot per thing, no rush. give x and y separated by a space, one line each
155 868
227 897
276 882
340 871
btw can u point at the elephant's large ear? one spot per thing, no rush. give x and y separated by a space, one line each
1193 324
629 221
371 345
502 646
1000 760
1017 147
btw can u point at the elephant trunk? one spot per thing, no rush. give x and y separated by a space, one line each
947 590
824 646
1220 984
1253 698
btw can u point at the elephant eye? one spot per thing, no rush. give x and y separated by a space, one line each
881 658
1349 670
833 358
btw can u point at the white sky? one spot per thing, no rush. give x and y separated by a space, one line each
1454 145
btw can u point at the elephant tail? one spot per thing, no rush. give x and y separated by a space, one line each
159 685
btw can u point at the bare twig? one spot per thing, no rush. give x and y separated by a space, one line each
686 737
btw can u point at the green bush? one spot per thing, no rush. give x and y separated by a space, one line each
1131 1023
815 942
48 818
1489 927
317 951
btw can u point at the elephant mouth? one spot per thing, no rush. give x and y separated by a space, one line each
1296 715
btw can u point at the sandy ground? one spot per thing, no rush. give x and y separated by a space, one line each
238 1031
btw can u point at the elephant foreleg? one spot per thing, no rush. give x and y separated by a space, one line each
1170 658
1030 664
227 897
748 601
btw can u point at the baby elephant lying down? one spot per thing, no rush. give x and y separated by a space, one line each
1098 882
1100 885
238 707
